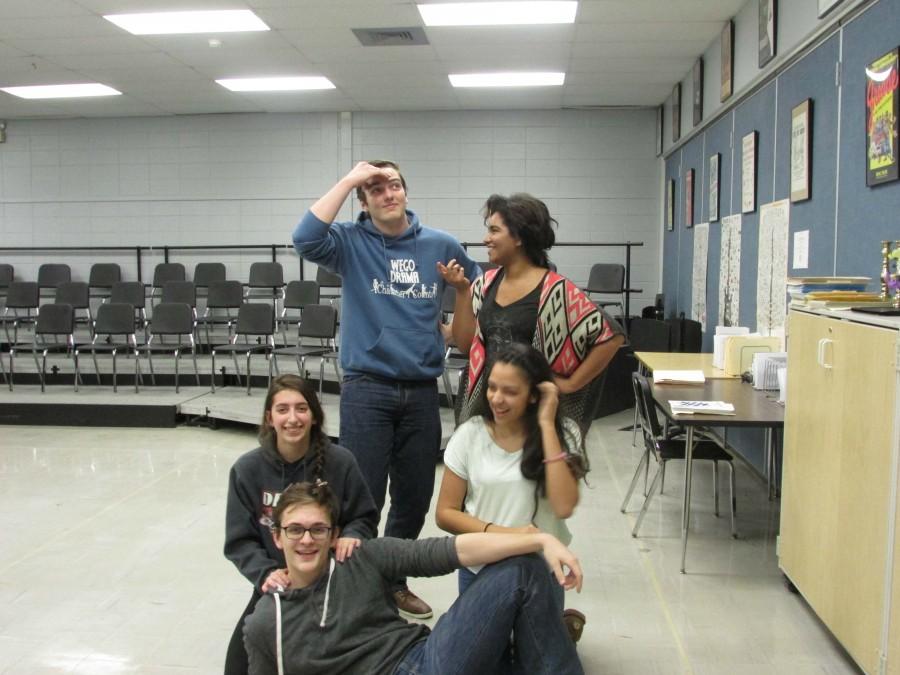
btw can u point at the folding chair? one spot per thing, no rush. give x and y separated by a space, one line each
170 319
114 320
224 296
164 272
297 296
664 449
267 277
206 273
133 293
53 321
254 320
608 279
21 295
51 275
330 284
77 294
102 277
319 322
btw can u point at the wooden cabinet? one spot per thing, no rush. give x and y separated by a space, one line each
839 479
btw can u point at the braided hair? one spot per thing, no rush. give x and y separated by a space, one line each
318 439
534 368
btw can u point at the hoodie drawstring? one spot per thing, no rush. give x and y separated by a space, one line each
327 593
279 654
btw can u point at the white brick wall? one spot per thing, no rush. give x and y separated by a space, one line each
246 179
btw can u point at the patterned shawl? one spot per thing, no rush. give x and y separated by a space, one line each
569 325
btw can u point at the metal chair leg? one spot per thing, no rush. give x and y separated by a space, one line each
637 474
716 487
177 357
12 358
248 373
212 380
662 480
646 505
196 369
733 495
115 373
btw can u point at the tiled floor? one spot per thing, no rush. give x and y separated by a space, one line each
110 562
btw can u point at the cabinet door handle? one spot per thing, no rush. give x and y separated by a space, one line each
822 345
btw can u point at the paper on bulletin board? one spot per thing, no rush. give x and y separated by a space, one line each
698 285
771 283
801 250
730 272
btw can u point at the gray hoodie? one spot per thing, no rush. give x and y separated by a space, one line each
255 484
347 621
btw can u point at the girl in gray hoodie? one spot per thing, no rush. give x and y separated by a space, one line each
293 448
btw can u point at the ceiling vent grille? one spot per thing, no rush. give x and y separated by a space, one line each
391 37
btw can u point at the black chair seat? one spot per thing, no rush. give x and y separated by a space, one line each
241 348
30 347
165 347
303 350
104 347
674 449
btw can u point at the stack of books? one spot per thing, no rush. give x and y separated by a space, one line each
831 292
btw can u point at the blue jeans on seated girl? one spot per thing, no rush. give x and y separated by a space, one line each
513 595
465 577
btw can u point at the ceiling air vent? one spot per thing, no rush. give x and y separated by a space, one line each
391 37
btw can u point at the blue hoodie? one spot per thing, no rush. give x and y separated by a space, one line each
391 294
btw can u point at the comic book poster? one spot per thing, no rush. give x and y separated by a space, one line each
881 119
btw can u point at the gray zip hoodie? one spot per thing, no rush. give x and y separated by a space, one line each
255 484
347 621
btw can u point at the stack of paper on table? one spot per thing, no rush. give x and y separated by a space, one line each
722 334
701 408
678 377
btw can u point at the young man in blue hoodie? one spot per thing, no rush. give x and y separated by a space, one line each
392 350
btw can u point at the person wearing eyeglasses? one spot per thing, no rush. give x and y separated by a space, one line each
338 617
293 448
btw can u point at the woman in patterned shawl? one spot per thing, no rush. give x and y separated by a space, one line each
523 300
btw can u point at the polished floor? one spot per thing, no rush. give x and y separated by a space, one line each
110 562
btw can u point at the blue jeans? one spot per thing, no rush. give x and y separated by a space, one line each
393 428
513 595
465 577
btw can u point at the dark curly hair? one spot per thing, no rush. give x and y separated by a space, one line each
528 220
535 369
318 439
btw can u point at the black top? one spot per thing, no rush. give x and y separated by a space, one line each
515 322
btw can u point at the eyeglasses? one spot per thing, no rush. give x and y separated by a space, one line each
295 532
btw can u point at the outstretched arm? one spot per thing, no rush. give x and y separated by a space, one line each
483 549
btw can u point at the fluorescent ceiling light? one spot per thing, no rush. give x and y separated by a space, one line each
62 91
497 13
508 79
276 83
169 23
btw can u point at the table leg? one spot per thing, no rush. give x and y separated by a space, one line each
686 507
770 464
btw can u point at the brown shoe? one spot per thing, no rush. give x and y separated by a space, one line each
574 621
411 605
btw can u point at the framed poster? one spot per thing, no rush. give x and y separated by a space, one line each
748 173
689 198
676 112
801 132
826 6
767 27
670 205
697 77
727 43
881 118
714 188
